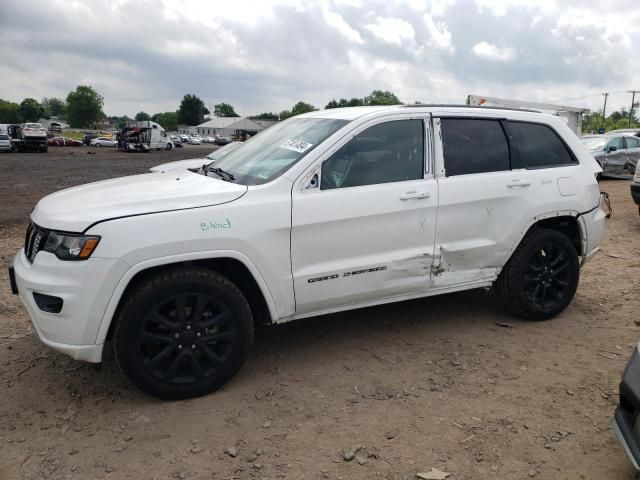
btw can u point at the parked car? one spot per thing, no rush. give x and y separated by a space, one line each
5 143
327 211
196 163
635 187
103 142
222 140
177 141
184 138
194 141
208 140
64 142
87 138
617 154
626 417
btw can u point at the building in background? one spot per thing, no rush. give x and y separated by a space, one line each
227 126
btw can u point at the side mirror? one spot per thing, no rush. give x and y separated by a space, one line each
612 148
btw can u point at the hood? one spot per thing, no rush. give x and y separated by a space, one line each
180 165
75 209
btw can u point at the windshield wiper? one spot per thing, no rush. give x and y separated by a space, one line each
226 176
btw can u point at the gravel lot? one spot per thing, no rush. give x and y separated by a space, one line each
450 382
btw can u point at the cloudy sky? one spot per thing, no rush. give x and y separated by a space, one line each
266 55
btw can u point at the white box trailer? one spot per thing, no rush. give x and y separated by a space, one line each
572 115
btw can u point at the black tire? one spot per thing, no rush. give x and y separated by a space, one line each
541 277
174 355
169 146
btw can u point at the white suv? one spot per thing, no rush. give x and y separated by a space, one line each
327 211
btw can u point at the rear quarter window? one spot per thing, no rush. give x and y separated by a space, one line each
538 146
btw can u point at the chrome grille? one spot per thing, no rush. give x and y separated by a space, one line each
34 240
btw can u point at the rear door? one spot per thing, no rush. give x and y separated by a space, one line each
633 153
479 199
615 157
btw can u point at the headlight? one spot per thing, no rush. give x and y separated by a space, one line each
67 246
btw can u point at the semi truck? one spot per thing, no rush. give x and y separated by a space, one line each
143 137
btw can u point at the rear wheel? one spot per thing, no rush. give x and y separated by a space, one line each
183 333
169 146
541 277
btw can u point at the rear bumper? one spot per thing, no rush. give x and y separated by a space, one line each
635 192
625 421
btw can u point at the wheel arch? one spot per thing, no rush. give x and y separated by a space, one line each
234 265
567 222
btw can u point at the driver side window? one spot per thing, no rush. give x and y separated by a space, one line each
388 152
618 143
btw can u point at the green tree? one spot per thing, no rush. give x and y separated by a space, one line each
192 110
617 120
9 112
298 108
265 116
224 110
168 120
379 97
123 121
84 107
54 107
30 110
142 117
343 102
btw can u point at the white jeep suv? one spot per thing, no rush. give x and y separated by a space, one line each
327 211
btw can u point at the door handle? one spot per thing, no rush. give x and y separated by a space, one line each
516 182
413 195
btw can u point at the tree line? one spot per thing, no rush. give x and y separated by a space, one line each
83 108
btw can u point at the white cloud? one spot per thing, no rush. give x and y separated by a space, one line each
392 30
493 52
335 20
440 34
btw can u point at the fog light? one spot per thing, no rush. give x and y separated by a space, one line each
48 303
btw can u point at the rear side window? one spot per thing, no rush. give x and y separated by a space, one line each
538 146
632 142
473 146
4 137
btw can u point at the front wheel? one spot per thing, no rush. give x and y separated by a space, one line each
169 146
541 277
183 333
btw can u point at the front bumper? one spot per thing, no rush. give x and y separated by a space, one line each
635 192
85 289
625 421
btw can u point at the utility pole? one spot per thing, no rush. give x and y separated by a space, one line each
604 109
633 102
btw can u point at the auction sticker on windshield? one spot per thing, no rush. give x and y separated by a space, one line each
296 145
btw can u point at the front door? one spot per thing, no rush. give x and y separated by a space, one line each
365 233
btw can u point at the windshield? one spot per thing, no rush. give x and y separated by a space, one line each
269 154
33 125
222 151
594 143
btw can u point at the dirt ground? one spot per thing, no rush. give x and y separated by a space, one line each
406 387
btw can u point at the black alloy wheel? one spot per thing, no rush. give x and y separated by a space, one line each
547 276
182 332
186 338
541 277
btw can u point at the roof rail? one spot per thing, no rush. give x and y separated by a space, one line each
480 107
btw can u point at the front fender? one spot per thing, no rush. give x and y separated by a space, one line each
125 280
